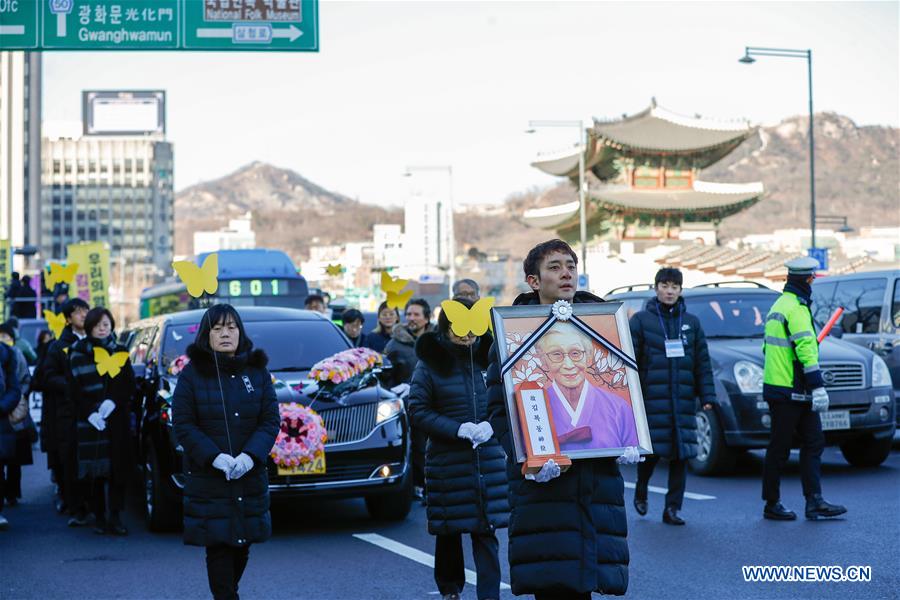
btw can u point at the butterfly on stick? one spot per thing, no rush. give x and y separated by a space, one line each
200 279
334 270
60 273
392 287
56 322
476 320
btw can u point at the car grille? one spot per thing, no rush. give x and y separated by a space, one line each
843 376
349 423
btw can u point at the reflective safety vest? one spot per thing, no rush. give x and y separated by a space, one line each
791 349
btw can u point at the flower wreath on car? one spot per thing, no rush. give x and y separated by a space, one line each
345 370
301 437
178 364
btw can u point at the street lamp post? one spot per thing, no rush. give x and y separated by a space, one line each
582 146
451 241
749 53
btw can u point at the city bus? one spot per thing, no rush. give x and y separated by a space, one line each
257 277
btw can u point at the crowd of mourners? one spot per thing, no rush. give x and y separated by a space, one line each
567 527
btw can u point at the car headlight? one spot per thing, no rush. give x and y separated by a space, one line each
749 377
880 374
388 409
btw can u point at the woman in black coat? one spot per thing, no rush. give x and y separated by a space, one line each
671 387
465 486
103 409
226 419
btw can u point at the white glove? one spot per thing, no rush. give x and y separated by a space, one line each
106 408
97 421
630 456
819 400
467 431
549 471
483 432
242 464
224 463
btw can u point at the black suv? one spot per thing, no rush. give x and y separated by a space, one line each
871 302
366 453
733 318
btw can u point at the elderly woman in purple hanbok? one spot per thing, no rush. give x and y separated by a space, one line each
585 417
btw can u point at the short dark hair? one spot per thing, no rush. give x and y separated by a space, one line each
669 275
426 309
73 304
313 298
219 313
9 330
532 262
351 314
14 321
444 321
95 315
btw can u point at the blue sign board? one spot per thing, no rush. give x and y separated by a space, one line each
821 255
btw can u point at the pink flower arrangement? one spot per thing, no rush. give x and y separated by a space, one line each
343 366
178 364
301 437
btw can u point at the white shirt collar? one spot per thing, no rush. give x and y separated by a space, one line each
574 415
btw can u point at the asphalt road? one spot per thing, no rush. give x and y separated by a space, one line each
332 550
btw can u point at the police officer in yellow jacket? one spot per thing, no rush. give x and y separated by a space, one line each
793 387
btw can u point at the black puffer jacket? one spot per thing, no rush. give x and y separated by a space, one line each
401 351
567 535
88 389
466 488
671 386
58 417
217 511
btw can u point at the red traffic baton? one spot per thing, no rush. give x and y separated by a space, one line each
834 319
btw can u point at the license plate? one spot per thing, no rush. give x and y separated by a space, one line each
835 419
313 467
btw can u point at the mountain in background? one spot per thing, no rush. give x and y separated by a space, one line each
289 212
857 175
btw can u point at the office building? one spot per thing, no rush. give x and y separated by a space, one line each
20 148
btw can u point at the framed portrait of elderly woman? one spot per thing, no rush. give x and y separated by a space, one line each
572 386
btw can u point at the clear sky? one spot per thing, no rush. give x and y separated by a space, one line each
455 83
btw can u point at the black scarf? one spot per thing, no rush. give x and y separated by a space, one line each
798 284
84 369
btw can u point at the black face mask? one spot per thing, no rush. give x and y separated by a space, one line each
799 285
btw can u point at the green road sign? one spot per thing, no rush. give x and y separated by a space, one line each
273 25
235 25
18 24
110 24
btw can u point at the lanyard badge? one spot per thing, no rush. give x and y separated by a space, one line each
674 348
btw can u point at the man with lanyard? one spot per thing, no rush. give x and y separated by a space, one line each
673 363
795 391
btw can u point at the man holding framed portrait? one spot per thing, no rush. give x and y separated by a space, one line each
566 362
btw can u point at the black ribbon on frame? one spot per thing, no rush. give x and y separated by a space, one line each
532 339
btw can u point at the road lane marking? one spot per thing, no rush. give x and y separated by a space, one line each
413 554
660 490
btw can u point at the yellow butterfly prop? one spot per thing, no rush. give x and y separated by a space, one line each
398 301
199 279
56 322
334 270
390 284
60 274
464 320
106 363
